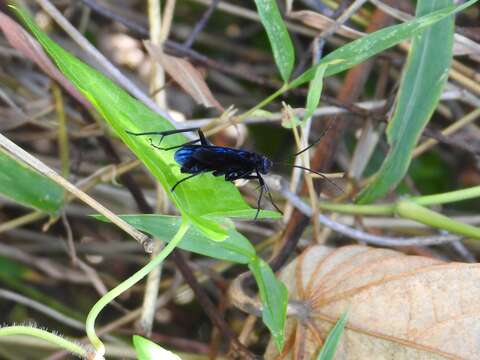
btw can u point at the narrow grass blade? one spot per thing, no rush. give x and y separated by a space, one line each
148 350
280 41
27 187
316 87
274 297
331 343
425 74
315 91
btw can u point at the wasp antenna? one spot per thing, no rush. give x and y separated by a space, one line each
314 172
309 146
329 126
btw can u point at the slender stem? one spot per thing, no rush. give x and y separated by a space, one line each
447 197
410 210
246 114
386 209
132 280
45 335
263 103
63 147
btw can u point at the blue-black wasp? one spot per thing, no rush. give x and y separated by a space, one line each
233 164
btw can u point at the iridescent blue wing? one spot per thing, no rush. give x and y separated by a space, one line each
221 158
184 154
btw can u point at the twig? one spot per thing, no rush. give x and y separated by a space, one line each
63 147
54 314
461 249
147 317
342 19
71 251
132 25
167 19
21 220
201 24
320 40
157 80
470 117
51 269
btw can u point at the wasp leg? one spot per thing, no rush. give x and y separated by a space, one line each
171 147
182 180
163 134
263 188
269 194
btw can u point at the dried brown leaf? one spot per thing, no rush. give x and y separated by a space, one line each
401 307
321 22
31 49
185 74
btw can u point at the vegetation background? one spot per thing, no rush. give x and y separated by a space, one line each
399 144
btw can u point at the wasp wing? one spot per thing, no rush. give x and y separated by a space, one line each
221 158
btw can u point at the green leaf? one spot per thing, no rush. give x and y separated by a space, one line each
315 91
274 297
361 49
148 350
280 41
425 75
25 186
235 248
331 343
196 198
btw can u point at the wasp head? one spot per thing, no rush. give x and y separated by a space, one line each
265 165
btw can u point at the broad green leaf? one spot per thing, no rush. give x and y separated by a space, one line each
424 76
148 350
282 47
361 49
315 91
27 187
235 248
196 198
329 348
274 297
